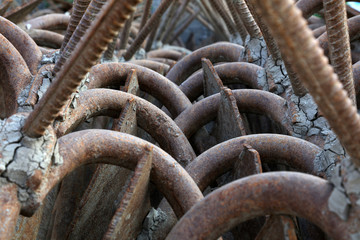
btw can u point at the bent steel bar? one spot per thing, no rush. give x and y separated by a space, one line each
273 148
23 43
259 195
313 69
46 38
218 52
229 73
163 53
160 87
252 101
14 76
107 24
160 126
9 210
52 21
104 146
158 67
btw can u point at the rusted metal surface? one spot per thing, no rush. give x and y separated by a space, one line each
9 209
22 42
276 227
340 52
92 9
12 66
162 53
69 77
230 73
4 6
53 21
134 205
144 32
320 79
219 52
268 193
150 118
158 67
36 84
273 148
18 14
254 101
46 38
149 81
83 200
91 146
78 11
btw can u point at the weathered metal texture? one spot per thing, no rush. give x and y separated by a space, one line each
353 28
174 20
126 32
309 7
319 78
160 87
4 6
150 118
218 6
211 80
158 67
210 15
14 77
230 123
183 27
237 20
268 193
88 51
23 43
144 32
18 14
79 8
339 44
356 74
46 38
9 209
167 61
218 52
278 227
273 148
247 19
296 85
248 163
146 13
166 21
230 73
103 146
249 101
92 10
36 84
127 221
54 21
132 83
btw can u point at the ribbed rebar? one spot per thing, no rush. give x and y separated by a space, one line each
146 13
339 43
79 8
247 19
238 23
298 45
92 10
228 21
167 20
183 27
110 20
153 22
207 10
126 32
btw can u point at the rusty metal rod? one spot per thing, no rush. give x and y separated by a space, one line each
88 51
